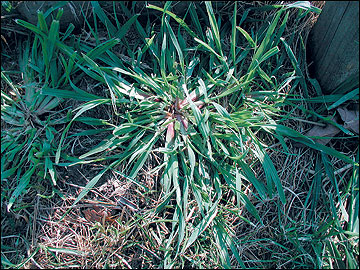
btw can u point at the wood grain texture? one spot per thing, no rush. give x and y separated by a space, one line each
334 44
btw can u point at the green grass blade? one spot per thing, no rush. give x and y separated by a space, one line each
177 46
265 43
53 36
281 29
195 20
209 48
330 173
221 244
42 23
88 187
100 148
175 17
296 136
228 92
233 35
30 27
353 225
250 176
103 18
306 5
270 172
99 50
140 162
64 250
348 96
268 54
296 66
23 183
214 26
201 227
203 125
60 93
83 108
125 28
49 166
163 59
323 118
244 16
247 36
316 191
244 199
229 241
68 32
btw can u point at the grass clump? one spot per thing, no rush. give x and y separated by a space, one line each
200 113
28 141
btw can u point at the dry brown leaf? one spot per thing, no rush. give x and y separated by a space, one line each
92 216
96 214
327 131
350 118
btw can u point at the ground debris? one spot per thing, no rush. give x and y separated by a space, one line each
350 118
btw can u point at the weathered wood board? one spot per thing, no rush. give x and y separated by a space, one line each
334 44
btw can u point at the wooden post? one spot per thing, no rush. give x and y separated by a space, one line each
334 44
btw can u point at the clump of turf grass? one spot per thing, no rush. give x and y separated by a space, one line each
204 123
